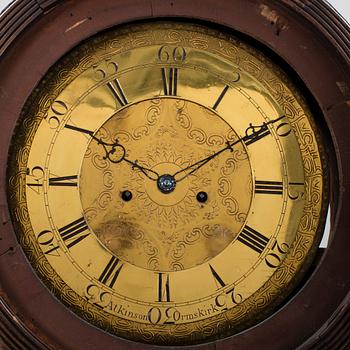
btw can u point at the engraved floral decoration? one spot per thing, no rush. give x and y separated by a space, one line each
161 231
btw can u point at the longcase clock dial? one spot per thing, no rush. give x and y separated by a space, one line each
170 186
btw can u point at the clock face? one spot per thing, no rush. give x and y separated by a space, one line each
166 183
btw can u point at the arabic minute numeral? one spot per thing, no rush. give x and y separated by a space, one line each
104 69
36 175
57 111
158 315
283 129
296 190
278 251
175 54
230 297
46 240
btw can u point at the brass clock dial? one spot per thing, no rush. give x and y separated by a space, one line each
167 183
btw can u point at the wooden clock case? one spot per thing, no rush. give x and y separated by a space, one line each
311 42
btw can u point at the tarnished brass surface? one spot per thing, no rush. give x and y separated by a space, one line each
164 268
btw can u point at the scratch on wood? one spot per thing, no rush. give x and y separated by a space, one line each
4 217
151 4
343 87
273 17
76 25
10 251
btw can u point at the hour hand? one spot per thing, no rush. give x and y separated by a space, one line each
116 153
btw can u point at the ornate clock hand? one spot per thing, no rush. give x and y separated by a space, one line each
253 133
116 153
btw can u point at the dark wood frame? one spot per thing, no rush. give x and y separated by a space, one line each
308 35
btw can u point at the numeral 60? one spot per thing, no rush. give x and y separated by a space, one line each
172 54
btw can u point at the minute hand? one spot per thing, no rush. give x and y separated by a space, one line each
252 134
